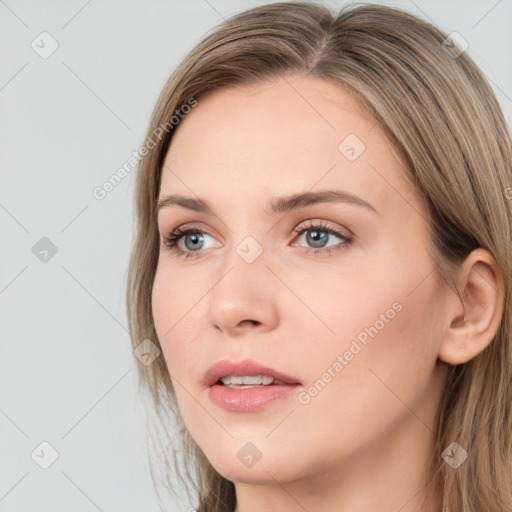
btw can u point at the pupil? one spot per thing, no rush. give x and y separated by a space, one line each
196 237
316 236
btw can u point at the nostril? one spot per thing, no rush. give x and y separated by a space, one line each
252 322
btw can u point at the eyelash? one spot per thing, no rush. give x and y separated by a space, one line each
172 240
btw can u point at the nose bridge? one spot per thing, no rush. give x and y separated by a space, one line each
241 293
245 248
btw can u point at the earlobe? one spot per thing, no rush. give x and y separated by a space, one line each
473 316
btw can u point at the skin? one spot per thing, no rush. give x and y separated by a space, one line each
362 443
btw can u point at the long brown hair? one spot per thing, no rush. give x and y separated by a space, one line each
442 116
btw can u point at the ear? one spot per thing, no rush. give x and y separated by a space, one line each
473 317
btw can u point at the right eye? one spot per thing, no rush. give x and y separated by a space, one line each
186 241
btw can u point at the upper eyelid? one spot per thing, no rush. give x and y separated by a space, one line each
322 224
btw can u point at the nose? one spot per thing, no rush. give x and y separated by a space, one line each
244 298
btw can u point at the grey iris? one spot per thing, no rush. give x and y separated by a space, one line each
197 238
313 237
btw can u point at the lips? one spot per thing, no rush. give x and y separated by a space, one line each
247 398
226 368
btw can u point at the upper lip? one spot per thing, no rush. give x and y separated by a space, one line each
226 368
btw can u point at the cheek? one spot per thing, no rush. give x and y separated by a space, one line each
174 294
175 318
387 332
175 306
385 357
385 378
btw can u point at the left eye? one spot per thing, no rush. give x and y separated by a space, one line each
317 237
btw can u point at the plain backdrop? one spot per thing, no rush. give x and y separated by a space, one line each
67 123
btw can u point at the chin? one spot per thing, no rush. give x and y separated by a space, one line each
250 465
257 475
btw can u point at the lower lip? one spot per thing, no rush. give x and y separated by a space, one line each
249 399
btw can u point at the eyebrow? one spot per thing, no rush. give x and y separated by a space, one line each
276 205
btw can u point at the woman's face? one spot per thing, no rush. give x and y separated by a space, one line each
337 292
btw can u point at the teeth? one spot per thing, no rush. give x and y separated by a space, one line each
253 380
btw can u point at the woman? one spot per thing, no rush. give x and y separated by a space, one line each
323 256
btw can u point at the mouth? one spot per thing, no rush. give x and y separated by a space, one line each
247 386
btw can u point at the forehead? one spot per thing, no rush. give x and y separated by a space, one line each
282 136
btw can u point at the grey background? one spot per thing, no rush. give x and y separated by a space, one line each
67 123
